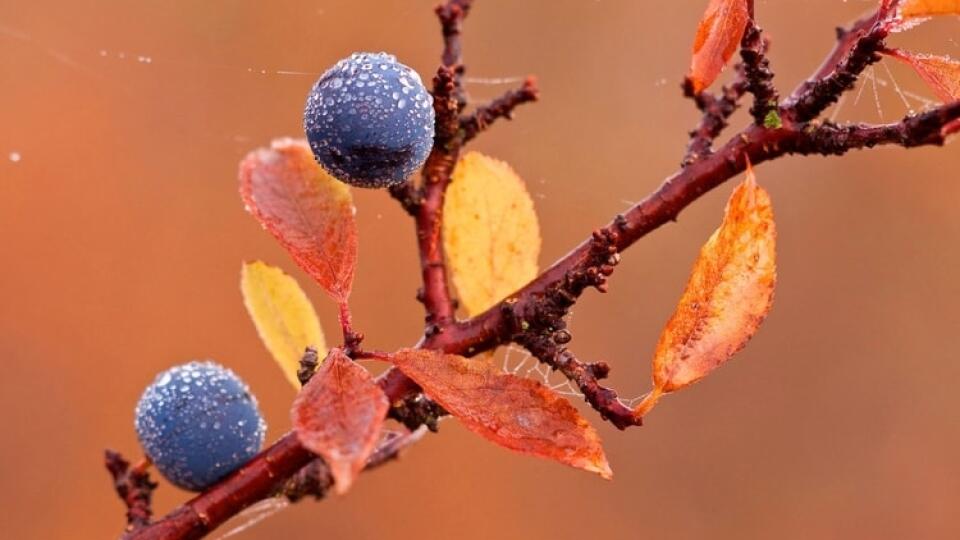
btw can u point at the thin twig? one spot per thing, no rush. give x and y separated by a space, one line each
501 107
133 486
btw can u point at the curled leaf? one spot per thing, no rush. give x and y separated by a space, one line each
513 412
941 73
309 212
729 293
926 8
284 317
490 232
718 38
338 416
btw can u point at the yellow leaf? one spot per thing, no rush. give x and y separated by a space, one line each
729 293
490 232
283 315
926 8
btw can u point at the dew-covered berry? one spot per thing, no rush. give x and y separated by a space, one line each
369 120
198 422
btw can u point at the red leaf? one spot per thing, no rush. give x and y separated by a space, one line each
513 412
308 211
338 415
941 73
718 37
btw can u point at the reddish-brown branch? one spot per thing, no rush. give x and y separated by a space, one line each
501 107
258 479
716 113
856 49
133 486
448 102
451 14
759 76
429 218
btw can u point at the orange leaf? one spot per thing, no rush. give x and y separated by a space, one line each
718 37
513 412
728 294
338 415
308 211
925 8
941 73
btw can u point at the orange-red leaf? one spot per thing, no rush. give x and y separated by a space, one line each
308 211
941 73
718 37
729 292
513 412
338 415
926 8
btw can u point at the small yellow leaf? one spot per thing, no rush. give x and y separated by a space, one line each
283 315
729 293
926 8
490 232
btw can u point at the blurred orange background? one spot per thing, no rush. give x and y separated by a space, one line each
121 126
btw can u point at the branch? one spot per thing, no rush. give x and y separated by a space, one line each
133 486
501 107
856 49
759 76
930 128
716 113
429 218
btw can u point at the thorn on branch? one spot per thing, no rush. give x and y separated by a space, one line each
133 486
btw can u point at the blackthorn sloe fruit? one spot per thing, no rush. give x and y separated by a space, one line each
198 422
370 121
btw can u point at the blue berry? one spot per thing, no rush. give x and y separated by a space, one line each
198 423
369 120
